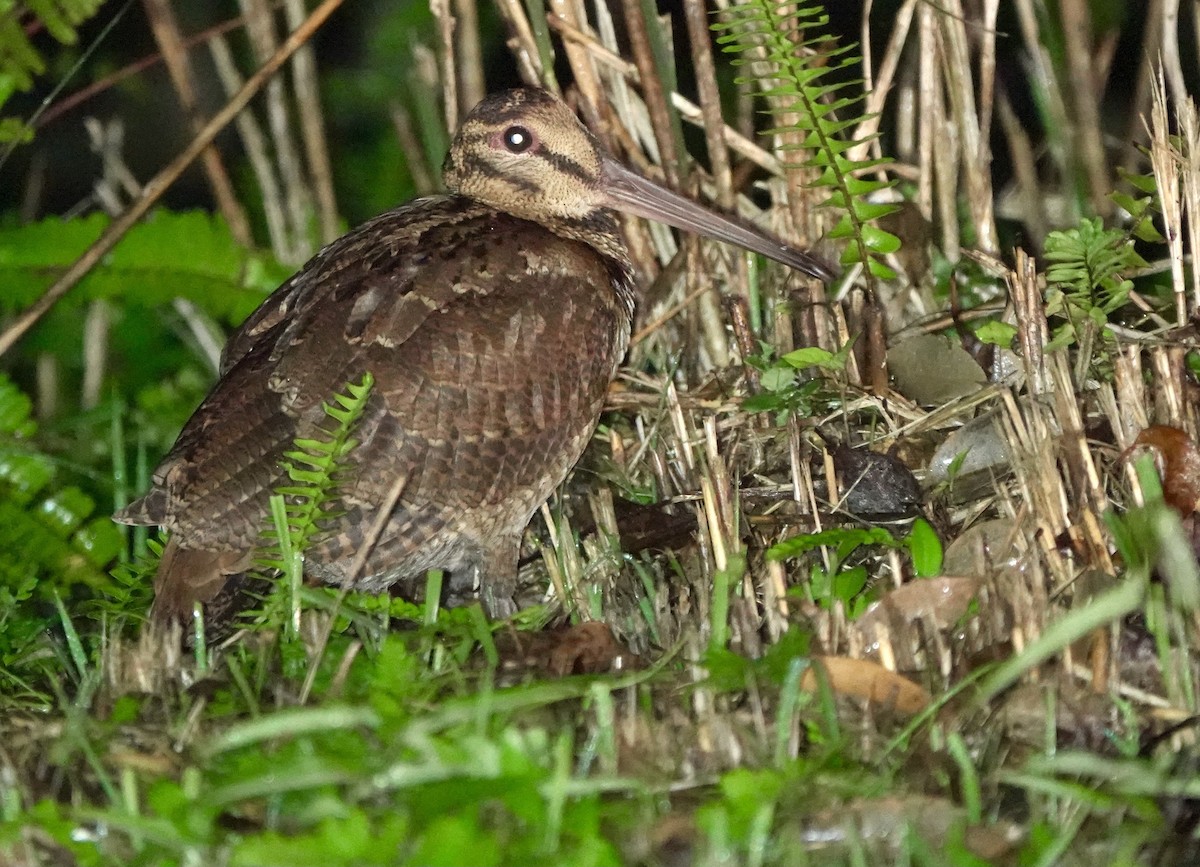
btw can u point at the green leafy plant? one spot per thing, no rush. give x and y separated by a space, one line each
169 255
1141 209
815 82
52 541
49 533
841 581
783 392
1086 278
301 508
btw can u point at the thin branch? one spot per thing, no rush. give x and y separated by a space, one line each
160 182
72 101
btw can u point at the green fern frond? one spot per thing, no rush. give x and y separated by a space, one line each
314 467
813 86
49 533
52 542
1089 263
301 508
130 588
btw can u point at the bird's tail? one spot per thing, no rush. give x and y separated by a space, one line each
187 576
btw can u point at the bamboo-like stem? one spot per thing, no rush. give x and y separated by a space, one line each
260 26
174 53
312 127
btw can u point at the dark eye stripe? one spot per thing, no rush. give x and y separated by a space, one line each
566 165
485 168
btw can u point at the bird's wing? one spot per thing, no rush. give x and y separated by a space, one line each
377 247
403 300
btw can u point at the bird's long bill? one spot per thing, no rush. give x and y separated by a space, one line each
626 191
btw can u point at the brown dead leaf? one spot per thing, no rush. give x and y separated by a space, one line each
1180 460
589 648
939 601
862 678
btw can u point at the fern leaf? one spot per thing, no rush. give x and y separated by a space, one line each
816 84
49 533
315 469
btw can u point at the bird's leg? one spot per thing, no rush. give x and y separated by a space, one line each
497 573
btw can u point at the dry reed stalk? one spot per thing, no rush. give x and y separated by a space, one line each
472 84
975 155
928 113
174 52
879 78
1029 205
258 151
418 167
1033 331
1085 102
447 63
312 127
522 44
582 65
1134 136
696 16
298 206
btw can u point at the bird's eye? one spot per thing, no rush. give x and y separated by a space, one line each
517 139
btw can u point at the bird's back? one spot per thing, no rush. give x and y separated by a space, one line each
491 341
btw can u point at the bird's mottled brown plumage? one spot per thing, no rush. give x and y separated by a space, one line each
492 320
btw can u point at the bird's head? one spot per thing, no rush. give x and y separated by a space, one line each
524 152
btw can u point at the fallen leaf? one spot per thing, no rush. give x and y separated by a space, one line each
862 678
1180 459
941 602
589 648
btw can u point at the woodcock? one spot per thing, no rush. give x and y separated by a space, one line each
492 319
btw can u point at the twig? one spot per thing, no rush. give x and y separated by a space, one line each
74 100
356 566
160 182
